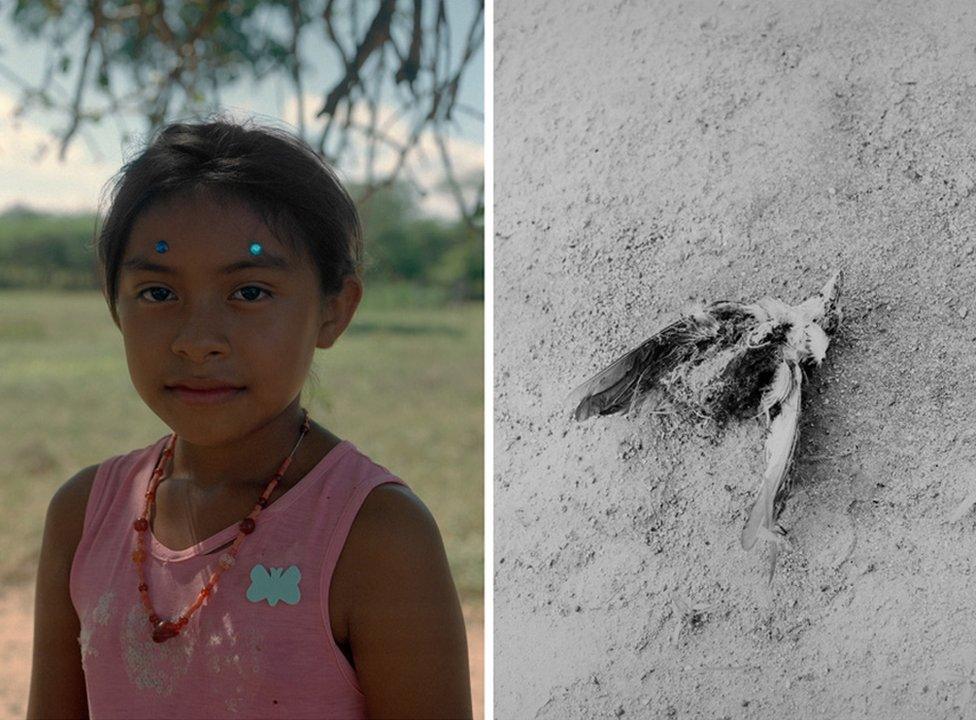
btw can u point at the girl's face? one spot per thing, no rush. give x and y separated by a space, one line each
197 316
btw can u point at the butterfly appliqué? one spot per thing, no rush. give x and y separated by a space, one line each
274 585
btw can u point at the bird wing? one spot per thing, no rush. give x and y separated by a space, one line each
780 444
614 388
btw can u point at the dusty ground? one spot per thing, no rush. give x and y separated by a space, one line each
17 631
16 636
650 155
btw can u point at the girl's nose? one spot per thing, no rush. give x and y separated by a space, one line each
199 336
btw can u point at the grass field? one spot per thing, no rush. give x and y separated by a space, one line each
405 384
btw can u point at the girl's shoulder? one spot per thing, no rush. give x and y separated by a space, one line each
392 510
75 491
394 602
58 688
69 504
66 511
394 541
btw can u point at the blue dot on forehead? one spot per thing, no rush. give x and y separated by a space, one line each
256 248
162 246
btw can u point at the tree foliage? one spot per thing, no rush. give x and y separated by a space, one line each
401 245
399 66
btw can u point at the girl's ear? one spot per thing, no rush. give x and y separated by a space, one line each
338 311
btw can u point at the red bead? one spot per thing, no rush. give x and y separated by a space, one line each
247 526
154 618
164 631
143 587
141 524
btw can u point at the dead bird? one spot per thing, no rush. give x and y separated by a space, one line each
731 360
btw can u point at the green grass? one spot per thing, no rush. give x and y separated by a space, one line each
405 384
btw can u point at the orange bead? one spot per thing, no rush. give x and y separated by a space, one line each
138 556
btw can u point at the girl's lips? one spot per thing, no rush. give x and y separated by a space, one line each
206 397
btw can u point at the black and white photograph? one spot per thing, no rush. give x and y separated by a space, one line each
734 461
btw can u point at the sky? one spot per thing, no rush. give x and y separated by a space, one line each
40 180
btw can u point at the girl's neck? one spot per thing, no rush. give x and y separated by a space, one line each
252 459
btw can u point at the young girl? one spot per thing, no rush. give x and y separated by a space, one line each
251 564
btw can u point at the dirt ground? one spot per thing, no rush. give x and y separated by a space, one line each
17 632
651 155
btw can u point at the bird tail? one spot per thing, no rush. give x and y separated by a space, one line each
780 444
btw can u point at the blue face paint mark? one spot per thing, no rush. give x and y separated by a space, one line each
162 246
256 249
274 585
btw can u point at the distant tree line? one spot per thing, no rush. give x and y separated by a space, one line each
39 250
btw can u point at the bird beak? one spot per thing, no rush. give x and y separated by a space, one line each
831 291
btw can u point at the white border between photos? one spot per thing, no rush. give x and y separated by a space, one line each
489 436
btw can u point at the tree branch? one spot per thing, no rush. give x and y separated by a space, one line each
410 66
296 64
75 119
377 34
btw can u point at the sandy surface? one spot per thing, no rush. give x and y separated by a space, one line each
650 155
16 638
17 632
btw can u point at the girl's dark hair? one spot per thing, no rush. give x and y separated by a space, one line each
296 194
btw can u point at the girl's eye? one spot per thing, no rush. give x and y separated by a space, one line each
251 297
159 294
154 290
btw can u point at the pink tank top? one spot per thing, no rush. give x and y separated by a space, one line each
261 646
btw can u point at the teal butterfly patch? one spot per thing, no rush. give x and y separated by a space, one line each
274 585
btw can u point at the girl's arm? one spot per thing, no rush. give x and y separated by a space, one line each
57 686
399 611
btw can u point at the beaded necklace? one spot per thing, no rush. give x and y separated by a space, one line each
163 630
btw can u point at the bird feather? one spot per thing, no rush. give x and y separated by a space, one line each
778 389
617 385
816 343
780 444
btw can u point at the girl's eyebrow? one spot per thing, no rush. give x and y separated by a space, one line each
264 260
